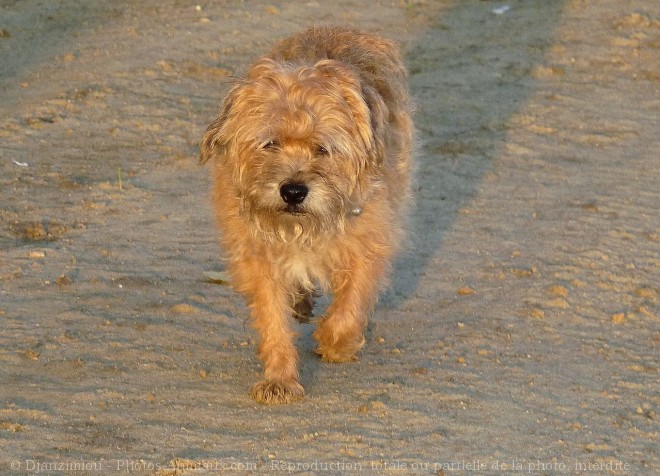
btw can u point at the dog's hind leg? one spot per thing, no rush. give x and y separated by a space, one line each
303 306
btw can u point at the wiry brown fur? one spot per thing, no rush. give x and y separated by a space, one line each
328 108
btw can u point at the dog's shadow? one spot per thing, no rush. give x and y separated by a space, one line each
465 98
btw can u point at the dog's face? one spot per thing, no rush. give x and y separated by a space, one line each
301 145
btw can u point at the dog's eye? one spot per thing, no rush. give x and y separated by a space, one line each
321 150
271 145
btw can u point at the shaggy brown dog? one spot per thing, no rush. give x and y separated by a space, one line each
311 175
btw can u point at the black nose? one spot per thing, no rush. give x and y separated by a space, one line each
293 193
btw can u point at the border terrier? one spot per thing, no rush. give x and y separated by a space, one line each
311 169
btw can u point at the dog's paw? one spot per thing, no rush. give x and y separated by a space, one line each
303 311
338 349
336 355
303 307
275 392
343 351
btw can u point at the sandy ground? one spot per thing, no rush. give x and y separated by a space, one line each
520 334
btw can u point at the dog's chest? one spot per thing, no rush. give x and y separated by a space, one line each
301 268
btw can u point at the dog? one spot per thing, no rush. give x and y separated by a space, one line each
311 158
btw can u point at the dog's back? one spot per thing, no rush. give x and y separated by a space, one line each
376 59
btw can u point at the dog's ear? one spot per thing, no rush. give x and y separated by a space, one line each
219 135
378 112
368 108
209 142
216 138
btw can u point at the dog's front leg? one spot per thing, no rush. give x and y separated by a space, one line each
270 317
341 333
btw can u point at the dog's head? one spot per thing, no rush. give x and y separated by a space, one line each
302 146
